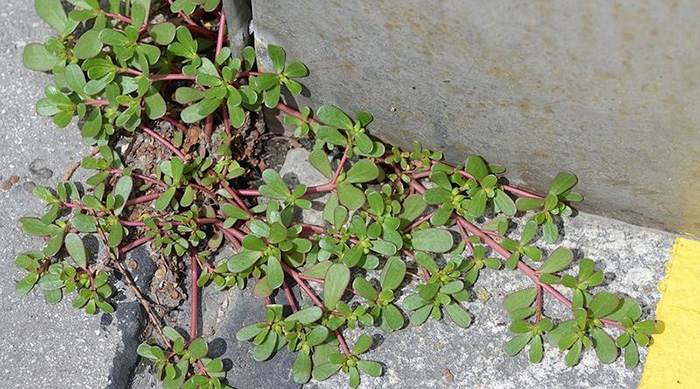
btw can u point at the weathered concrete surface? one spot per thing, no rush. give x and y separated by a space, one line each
605 89
45 346
440 354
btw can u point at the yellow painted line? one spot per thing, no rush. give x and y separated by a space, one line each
674 356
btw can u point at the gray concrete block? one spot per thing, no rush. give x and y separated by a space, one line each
605 90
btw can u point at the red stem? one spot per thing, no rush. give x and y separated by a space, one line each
138 242
209 125
236 198
312 296
195 295
141 177
522 266
419 221
222 30
172 77
538 303
142 199
174 122
340 166
310 190
288 295
163 141
118 17
227 121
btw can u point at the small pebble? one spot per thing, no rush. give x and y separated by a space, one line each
14 178
6 185
174 294
132 265
482 294
159 273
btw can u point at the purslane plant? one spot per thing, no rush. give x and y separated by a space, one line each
389 213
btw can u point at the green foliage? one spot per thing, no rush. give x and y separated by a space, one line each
387 246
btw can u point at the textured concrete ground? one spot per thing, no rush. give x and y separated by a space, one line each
439 354
61 347
44 346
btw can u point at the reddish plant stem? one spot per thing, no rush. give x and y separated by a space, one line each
97 102
205 190
141 177
310 190
288 295
419 222
136 223
118 17
340 166
511 189
303 286
247 74
174 122
293 112
222 31
172 77
199 30
538 303
424 271
236 198
142 199
312 296
209 125
134 244
465 238
236 232
163 141
194 263
229 236
133 72
227 120
522 266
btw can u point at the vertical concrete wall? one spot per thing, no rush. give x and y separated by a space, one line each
609 90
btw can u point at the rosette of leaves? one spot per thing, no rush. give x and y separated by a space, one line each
444 290
270 83
519 307
356 137
484 189
174 369
476 262
270 243
349 189
276 189
175 174
381 304
557 202
587 278
299 331
330 361
63 49
418 157
383 208
522 247
55 279
303 124
221 89
586 330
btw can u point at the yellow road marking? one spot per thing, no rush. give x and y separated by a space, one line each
674 357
